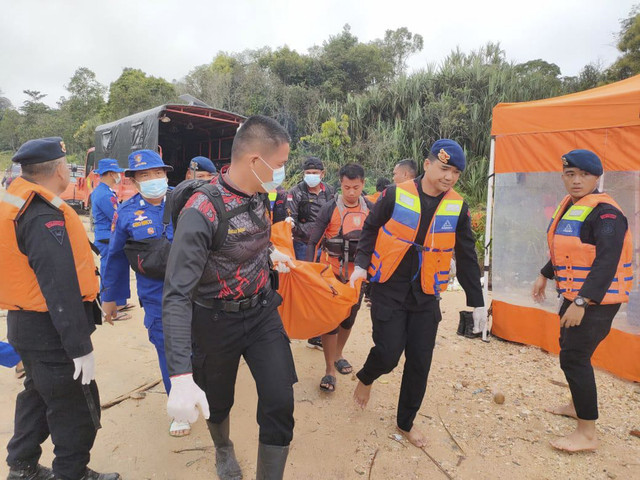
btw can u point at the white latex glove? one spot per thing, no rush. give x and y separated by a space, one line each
184 398
87 366
479 319
281 262
290 221
358 273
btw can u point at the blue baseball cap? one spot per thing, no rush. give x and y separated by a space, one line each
584 160
203 164
40 150
145 160
108 165
449 152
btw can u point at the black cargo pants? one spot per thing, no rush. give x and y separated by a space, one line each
221 338
53 403
397 330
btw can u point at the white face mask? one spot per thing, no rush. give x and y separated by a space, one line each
117 178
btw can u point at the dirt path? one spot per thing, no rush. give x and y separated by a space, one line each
335 440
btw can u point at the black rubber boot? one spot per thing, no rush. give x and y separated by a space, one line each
91 475
226 463
31 473
271 462
465 327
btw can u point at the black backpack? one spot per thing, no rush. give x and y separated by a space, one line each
186 189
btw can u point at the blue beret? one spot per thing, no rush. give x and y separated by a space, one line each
145 160
449 152
584 160
202 163
108 165
40 150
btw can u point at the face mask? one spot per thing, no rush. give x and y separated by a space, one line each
312 179
117 178
278 178
155 188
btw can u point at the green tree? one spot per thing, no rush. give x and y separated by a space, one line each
400 45
86 95
134 91
628 64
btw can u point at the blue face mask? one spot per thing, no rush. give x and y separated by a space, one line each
278 178
155 188
312 179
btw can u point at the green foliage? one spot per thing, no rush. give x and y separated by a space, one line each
134 91
628 64
332 143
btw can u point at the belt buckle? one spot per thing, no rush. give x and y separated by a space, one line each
231 306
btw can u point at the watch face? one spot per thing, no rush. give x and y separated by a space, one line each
579 301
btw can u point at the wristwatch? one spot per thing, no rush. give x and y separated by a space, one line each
580 302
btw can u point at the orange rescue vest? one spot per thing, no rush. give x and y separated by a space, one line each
399 234
337 247
19 289
572 259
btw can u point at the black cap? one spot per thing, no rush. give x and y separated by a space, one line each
312 163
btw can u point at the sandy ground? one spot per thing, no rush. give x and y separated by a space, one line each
335 440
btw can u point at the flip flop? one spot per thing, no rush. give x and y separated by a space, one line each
329 380
342 365
176 427
126 307
122 316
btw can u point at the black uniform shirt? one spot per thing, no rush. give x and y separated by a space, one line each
604 227
400 289
196 273
300 195
42 236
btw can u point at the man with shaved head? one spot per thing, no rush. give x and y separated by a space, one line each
220 297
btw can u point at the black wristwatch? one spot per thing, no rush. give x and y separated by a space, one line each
580 302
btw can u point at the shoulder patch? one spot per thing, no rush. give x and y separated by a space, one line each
56 228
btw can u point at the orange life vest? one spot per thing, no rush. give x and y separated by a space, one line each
572 259
373 198
19 289
399 234
348 222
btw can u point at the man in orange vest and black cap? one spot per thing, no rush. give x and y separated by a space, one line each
338 225
591 261
51 297
406 245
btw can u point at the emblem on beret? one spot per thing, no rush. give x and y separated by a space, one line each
443 156
137 158
63 147
193 165
565 162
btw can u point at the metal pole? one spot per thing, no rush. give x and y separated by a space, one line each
487 231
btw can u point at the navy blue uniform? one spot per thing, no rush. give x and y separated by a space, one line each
104 204
138 219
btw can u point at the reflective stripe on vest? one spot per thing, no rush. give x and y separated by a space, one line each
572 259
20 290
399 234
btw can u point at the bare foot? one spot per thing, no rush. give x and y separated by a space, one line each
563 410
361 394
415 436
575 442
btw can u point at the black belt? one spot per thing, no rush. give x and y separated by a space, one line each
233 306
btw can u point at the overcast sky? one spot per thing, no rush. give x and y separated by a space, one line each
42 42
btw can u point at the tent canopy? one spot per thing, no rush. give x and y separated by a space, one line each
534 135
529 140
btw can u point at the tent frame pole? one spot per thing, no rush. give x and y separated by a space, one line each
488 231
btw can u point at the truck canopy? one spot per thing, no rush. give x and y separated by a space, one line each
177 132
